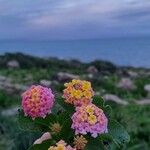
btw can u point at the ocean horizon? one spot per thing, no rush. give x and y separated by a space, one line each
121 51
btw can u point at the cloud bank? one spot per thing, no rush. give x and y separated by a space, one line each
73 19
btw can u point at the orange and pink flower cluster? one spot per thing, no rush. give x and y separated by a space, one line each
78 92
37 101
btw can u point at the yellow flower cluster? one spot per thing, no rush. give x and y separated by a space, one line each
78 92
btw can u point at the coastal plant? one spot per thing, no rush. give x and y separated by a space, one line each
76 121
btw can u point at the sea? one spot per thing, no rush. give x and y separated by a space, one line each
120 51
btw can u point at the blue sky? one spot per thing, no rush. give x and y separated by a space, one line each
73 19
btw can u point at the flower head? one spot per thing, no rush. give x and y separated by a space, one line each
37 101
55 128
61 145
78 92
80 142
89 119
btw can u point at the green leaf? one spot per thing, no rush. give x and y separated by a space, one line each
108 110
26 123
105 137
99 102
63 117
66 132
94 144
39 124
118 133
43 146
68 107
65 122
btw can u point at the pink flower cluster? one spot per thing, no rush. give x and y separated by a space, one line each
89 119
37 101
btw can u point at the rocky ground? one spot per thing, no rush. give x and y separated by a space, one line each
126 89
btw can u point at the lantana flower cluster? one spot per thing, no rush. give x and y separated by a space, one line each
89 119
37 101
78 92
61 145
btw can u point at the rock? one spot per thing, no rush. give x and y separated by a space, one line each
126 84
2 78
10 112
20 87
90 76
132 74
101 92
97 93
55 82
10 87
13 64
114 98
46 83
147 89
63 76
143 102
92 70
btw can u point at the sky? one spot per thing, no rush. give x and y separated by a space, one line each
73 19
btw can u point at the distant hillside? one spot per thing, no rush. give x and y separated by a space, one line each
27 62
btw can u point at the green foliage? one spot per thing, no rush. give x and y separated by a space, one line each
136 120
94 144
7 100
23 140
118 133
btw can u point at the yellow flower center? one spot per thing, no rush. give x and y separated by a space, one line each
76 93
92 119
86 85
89 110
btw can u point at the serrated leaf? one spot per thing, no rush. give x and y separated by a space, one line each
118 133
